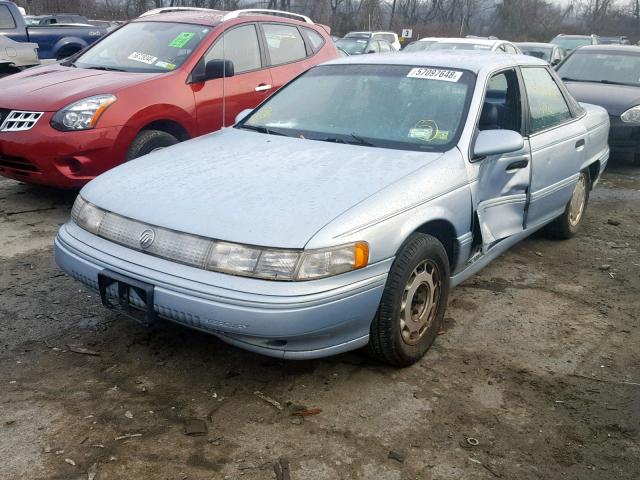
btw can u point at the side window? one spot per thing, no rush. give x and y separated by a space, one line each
6 19
502 109
284 43
547 106
384 46
241 46
373 46
315 39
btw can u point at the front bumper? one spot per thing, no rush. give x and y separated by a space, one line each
46 156
293 320
623 138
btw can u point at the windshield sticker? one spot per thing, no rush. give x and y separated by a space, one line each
181 40
435 74
168 66
425 130
142 57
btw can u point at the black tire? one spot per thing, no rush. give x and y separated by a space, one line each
67 52
564 227
387 342
149 140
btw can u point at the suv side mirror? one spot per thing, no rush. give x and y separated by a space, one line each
213 69
497 142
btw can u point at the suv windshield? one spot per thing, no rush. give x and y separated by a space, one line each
353 46
144 47
388 106
602 67
571 43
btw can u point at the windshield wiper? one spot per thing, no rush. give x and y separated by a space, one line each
358 140
107 69
262 129
611 82
566 79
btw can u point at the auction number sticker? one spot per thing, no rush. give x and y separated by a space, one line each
435 74
143 57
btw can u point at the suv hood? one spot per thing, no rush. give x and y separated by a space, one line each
249 187
48 89
617 99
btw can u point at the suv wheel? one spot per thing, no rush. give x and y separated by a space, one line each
149 141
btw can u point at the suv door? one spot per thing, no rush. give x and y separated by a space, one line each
503 180
250 84
286 52
557 143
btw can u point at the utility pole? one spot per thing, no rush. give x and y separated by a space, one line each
393 11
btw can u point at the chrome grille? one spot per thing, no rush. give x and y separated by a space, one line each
20 121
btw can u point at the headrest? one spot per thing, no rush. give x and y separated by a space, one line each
489 115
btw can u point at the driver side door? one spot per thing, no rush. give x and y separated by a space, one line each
502 188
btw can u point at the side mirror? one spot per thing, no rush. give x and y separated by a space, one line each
555 62
218 69
243 114
497 142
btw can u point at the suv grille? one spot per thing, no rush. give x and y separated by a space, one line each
19 121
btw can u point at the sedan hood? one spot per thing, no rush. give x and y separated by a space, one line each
50 88
249 187
615 98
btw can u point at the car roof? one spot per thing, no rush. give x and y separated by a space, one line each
474 41
562 35
536 44
213 18
610 48
473 61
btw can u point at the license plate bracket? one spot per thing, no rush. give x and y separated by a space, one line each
145 315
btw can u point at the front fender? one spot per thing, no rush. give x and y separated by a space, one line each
160 112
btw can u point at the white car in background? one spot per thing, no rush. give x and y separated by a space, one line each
424 44
479 44
390 37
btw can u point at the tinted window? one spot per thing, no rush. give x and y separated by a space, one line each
569 43
315 39
598 66
387 106
546 103
240 45
502 104
284 43
6 19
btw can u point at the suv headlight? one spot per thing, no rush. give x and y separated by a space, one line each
632 115
83 114
219 256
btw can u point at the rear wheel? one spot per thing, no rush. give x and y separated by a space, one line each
67 52
568 224
149 141
413 302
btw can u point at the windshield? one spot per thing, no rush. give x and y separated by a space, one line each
609 67
144 47
571 43
459 46
352 46
387 106
538 52
419 46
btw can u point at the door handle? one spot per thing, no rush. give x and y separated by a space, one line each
263 87
517 165
580 143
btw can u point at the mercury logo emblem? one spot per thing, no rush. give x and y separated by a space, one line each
146 238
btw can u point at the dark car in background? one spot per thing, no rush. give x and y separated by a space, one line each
571 42
549 52
609 76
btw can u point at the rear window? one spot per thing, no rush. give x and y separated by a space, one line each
386 36
315 39
284 43
6 19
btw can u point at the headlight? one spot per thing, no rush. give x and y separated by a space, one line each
632 115
83 114
220 256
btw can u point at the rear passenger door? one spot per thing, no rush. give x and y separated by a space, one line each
218 101
558 143
286 52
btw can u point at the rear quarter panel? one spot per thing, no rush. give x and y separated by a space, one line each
596 122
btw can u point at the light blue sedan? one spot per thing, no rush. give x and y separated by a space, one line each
339 213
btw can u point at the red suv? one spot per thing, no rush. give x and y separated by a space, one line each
154 82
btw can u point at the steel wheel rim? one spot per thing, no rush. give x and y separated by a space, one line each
576 205
420 300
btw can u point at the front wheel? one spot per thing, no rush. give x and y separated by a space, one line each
413 302
149 141
568 224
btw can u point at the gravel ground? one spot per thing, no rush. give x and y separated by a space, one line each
537 375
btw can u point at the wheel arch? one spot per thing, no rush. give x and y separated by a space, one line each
444 231
171 127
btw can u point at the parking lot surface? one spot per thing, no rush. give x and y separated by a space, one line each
536 374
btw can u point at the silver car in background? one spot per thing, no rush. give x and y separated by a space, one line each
339 213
